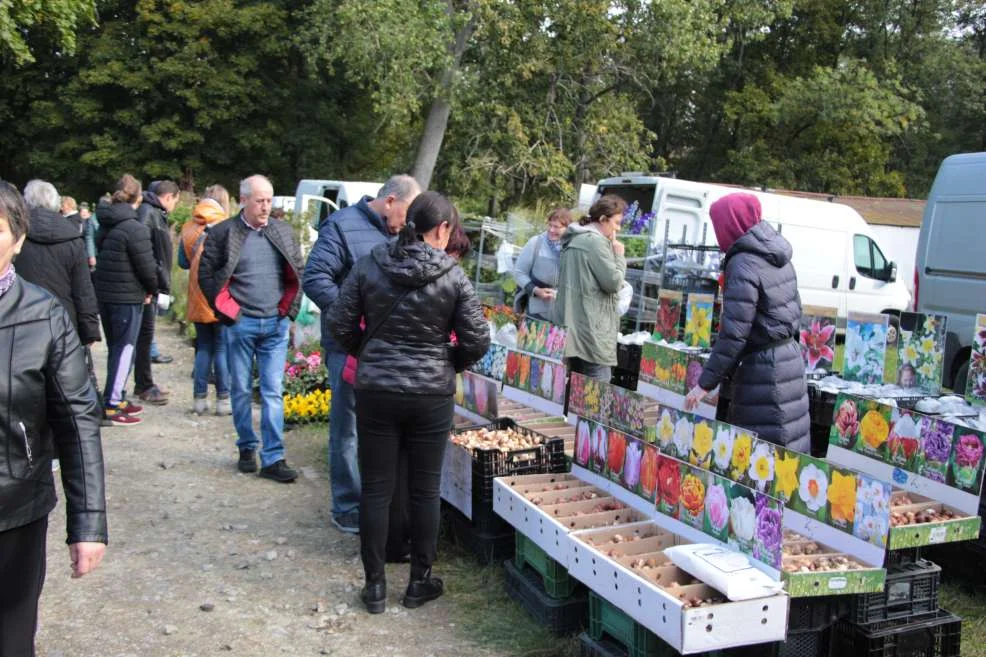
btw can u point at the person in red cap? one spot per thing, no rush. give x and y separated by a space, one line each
757 345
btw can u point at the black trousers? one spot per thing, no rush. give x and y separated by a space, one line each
22 572
387 422
143 379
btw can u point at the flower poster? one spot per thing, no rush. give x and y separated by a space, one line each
648 363
785 485
874 428
600 447
866 347
904 440
693 371
585 397
966 467
739 462
692 499
921 351
698 320
742 518
493 363
872 511
542 338
477 394
817 337
841 496
668 315
845 425
722 448
761 469
701 449
975 387
583 442
666 423
669 473
936 448
647 487
663 366
626 410
616 451
684 434
717 508
768 534
810 498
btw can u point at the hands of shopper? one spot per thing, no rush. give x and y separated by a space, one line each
618 247
545 293
92 262
147 298
85 557
693 397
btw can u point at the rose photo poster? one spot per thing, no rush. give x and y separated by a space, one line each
975 387
921 351
698 320
668 315
866 347
817 337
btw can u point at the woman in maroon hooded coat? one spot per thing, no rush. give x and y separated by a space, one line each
758 344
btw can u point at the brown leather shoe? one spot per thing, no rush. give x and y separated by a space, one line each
153 395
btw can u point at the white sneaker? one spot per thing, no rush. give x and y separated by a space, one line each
201 406
224 407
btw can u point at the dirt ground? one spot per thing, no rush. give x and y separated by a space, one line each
203 560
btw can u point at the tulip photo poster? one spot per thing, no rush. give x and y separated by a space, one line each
975 387
477 394
613 406
668 315
542 338
817 337
541 377
866 348
665 367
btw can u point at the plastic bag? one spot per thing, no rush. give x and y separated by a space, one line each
504 258
507 336
623 298
727 571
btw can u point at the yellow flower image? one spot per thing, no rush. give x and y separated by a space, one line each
665 428
927 370
930 325
910 354
786 474
927 346
741 452
874 429
842 496
702 443
699 326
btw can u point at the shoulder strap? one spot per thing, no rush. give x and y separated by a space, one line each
198 243
383 320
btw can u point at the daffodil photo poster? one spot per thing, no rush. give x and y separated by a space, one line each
921 351
975 387
810 496
698 320
817 337
866 348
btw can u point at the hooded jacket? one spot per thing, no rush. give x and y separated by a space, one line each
412 297
590 275
125 268
344 237
54 257
154 217
757 341
192 242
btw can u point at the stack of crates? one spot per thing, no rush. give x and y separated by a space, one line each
543 587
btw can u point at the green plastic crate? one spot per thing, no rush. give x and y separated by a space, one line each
558 584
605 619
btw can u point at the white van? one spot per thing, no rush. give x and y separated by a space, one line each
950 270
836 256
323 197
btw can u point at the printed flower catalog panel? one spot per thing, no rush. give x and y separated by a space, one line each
583 443
921 351
533 384
866 347
810 498
936 448
702 439
532 335
845 425
722 448
511 371
872 514
742 518
664 431
717 508
616 451
975 387
785 485
692 499
841 496
668 315
684 435
874 429
633 457
698 320
600 448
817 337
966 467
647 487
742 456
769 531
669 473
760 473
626 410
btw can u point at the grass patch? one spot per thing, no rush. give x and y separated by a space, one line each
971 607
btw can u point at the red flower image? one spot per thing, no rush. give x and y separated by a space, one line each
668 314
669 480
648 470
817 342
616 451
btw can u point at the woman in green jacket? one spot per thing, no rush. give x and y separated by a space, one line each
591 273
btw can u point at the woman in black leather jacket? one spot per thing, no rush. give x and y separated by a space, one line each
46 400
413 296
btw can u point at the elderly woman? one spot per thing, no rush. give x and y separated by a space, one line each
49 404
536 269
758 332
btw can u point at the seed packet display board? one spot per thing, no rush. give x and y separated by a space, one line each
611 547
476 397
666 372
935 468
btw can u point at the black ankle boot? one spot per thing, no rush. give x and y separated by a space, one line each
420 591
374 596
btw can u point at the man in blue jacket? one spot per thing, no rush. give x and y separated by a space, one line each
343 238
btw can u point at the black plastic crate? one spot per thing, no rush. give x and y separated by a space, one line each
911 589
905 556
821 406
628 357
558 616
938 634
820 439
488 548
819 613
625 378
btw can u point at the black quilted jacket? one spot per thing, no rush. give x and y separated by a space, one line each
758 333
125 267
410 352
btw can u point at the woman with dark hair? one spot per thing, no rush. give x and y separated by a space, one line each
758 332
412 295
536 269
591 273
49 406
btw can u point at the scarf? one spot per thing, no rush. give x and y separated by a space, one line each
553 245
7 280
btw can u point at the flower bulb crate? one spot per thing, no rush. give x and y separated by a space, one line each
487 547
819 613
558 616
628 357
938 634
608 621
554 576
956 529
911 589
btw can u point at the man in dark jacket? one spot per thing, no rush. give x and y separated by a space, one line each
250 272
54 257
343 238
153 214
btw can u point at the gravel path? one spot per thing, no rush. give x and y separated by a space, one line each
203 560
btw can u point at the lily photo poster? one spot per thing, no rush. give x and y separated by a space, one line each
866 347
817 337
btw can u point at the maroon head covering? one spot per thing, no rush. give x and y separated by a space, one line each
732 216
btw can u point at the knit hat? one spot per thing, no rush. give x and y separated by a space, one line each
732 216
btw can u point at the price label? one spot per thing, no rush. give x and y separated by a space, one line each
937 535
838 583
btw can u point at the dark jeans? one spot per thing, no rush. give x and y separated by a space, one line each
591 370
210 352
143 379
22 571
121 326
419 423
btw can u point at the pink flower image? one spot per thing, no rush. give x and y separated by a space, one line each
717 507
816 344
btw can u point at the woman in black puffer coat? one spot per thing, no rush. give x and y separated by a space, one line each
413 296
758 343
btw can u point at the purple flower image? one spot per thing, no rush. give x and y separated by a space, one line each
631 464
693 373
768 532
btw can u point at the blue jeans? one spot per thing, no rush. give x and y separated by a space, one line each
121 326
210 350
343 465
265 338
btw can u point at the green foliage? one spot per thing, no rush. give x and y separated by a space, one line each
60 17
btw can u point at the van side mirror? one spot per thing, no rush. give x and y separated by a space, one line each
891 272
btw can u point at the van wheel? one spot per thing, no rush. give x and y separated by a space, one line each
961 377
